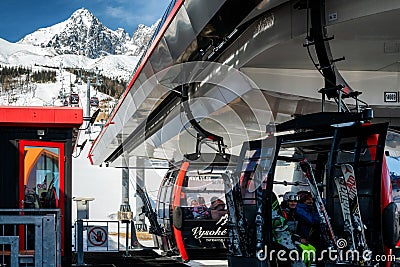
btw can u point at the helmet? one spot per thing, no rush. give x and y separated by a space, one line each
290 196
303 195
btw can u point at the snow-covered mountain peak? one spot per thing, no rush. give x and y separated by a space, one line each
83 16
82 12
122 34
81 41
84 34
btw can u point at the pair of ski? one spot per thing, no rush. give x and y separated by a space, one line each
347 192
155 227
239 239
239 243
326 227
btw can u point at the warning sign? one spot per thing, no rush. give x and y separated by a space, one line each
97 236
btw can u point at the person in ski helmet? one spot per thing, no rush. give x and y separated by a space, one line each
285 237
289 211
305 197
289 205
281 234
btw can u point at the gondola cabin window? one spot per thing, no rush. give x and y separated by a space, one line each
74 99
165 195
203 197
94 101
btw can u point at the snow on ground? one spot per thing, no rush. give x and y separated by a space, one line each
46 94
14 54
102 183
209 263
11 52
88 181
43 35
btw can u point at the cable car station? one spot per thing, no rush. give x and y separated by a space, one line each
283 94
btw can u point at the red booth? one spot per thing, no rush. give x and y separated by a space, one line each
35 163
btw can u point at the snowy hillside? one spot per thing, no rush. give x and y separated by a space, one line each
47 94
113 66
43 35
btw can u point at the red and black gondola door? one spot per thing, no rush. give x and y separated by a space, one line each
199 213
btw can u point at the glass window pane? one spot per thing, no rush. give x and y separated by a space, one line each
41 177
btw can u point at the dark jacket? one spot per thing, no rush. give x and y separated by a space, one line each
308 220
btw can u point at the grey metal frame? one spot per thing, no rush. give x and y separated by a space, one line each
47 234
14 242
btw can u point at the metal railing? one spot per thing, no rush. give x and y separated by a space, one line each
100 245
95 236
30 237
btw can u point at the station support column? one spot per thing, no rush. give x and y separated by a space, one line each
125 214
88 105
140 182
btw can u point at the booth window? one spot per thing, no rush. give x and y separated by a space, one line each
41 177
41 174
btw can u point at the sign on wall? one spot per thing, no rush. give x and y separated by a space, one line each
391 96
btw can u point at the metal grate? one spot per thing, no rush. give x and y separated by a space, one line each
391 47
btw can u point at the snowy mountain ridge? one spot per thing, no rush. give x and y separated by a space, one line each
81 41
84 34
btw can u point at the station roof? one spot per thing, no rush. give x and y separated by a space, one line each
51 117
262 39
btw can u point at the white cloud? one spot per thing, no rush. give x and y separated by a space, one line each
135 12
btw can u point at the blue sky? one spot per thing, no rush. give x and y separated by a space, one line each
21 17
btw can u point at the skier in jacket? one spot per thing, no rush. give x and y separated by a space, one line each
308 218
289 212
